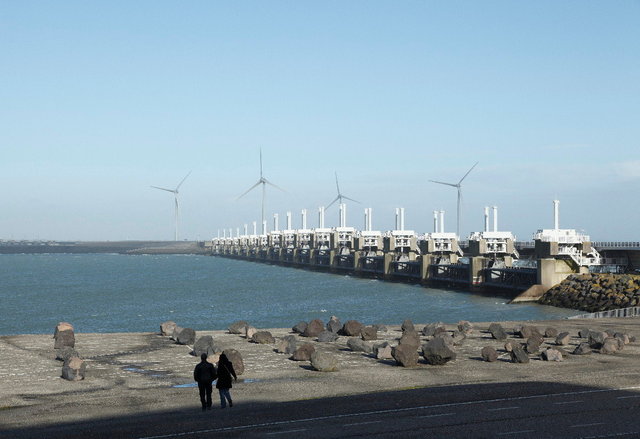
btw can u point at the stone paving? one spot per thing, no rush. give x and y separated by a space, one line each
138 372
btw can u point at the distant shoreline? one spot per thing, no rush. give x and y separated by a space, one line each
121 247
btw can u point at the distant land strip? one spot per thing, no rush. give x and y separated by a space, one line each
122 247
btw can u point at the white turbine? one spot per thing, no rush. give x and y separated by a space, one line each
457 185
175 195
264 182
340 196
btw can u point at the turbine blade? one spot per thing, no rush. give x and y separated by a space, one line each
351 199
468 172
260 162
271 184
249 190
337 185
164 189
183 180
334 200
442 182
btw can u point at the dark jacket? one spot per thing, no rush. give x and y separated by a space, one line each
225 372
204 373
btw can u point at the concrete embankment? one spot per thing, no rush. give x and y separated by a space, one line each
131 373
595 292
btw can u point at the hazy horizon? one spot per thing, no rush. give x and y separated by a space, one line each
104 100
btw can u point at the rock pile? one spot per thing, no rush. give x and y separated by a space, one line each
595 292
74 367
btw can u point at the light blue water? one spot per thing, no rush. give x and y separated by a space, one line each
121 293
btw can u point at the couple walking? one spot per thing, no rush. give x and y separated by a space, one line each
205 373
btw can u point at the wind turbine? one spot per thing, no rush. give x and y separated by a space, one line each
175 195
264 182
457 185
340 196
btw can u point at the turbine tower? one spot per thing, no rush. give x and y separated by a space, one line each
175 195
264 182
458 186
340 196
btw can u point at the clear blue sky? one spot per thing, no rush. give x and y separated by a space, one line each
100 100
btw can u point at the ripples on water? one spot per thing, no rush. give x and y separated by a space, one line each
122 293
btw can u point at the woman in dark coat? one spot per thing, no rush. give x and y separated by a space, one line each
225 373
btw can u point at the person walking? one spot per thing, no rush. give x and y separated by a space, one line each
204 374
225 372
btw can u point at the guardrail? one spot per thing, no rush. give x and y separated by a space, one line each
634 311
617 244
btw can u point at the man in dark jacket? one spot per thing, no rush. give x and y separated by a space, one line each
204 374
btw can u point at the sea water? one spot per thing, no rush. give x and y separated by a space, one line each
135 293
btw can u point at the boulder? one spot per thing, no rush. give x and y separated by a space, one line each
351 328
382 351
405 355
237 327
74 369
62 326
448 338
327 337
551 332
187 336
533 343
166 328
407 325
334 325
411 339
497 331
596 339
65 353
176 331
610 346
465 327
458 337
437 352
287 345
380 327
432 328
508 345
249 331
324 362
518 355
236 360
551 354
263 337
65 339
489 354
526 331
622 336
205 345
314 328
563 339
369 333
584 333
358 345
582 349
299 327
303 353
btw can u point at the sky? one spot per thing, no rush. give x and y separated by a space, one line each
99 101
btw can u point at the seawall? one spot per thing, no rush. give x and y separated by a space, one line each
595 292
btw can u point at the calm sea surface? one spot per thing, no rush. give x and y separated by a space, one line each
120 293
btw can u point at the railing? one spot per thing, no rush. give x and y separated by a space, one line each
617 244
633 311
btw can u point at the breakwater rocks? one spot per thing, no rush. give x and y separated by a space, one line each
595 292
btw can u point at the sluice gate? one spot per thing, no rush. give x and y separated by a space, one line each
490 260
